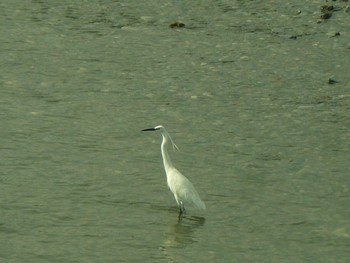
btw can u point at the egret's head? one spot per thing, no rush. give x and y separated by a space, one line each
159 127
165 134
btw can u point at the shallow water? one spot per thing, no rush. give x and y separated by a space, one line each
243 90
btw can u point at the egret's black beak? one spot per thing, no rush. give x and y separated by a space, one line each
149 129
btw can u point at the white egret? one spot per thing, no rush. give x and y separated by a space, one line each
179 185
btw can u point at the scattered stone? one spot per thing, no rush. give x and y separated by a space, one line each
327 15
327 8
332 81
337 34
177 25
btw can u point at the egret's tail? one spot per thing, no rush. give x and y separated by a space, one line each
200 204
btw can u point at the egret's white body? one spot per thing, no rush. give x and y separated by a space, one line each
180 186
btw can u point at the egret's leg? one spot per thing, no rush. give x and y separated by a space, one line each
177 201
182 207
180 215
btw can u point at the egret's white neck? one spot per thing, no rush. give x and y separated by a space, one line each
166 158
